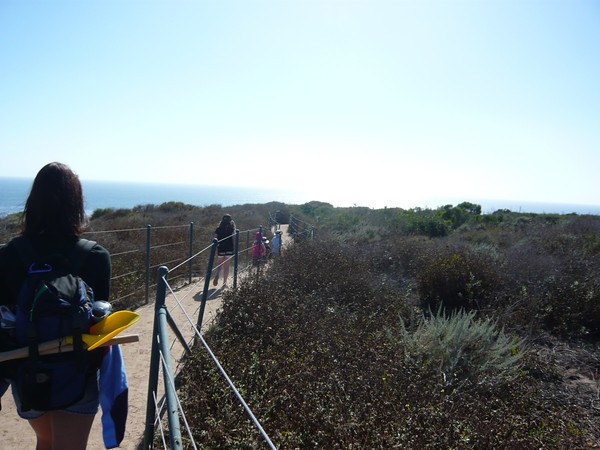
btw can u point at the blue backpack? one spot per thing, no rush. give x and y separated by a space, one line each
53 302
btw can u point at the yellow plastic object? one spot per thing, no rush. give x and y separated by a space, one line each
114 321
109 327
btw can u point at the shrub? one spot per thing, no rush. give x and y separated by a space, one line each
321 373
463 348
330 269
402 256
572 306
428 224
100 212
460 214
456 279
550 275
10 226
170 207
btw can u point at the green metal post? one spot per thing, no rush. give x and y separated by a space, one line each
236 257
191 253
178 333
248 252
148 246
161 291
259 261
169 382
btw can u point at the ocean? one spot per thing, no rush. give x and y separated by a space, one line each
110 194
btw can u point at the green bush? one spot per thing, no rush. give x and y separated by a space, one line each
463 348
100 212
427 223
460 214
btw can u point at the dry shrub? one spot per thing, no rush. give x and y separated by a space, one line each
551 278
309 347
572 305
456 278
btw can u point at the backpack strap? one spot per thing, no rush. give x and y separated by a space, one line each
27 255
76 257
79 252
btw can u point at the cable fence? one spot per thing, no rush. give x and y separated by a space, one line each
136 254
164 414
153 247
300 230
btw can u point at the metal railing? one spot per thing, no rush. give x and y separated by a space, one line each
161 355
300 230
136 266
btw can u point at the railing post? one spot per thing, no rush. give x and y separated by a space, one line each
236 257
161 290
249 250
169 381
273 221
211 262
191 253
148 246
259 260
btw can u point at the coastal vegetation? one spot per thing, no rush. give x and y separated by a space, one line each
393 328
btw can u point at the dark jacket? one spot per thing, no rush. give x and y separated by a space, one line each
95 269
224 235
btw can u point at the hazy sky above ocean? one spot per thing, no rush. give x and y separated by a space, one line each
367 102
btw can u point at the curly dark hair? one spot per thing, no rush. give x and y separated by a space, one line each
55 204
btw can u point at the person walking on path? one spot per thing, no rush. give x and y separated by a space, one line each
276 243
225 235
259 251
53 221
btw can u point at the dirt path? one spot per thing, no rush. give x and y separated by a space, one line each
16 432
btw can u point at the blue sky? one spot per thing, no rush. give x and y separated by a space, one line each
368 102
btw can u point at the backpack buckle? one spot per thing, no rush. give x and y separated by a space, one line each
43 268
